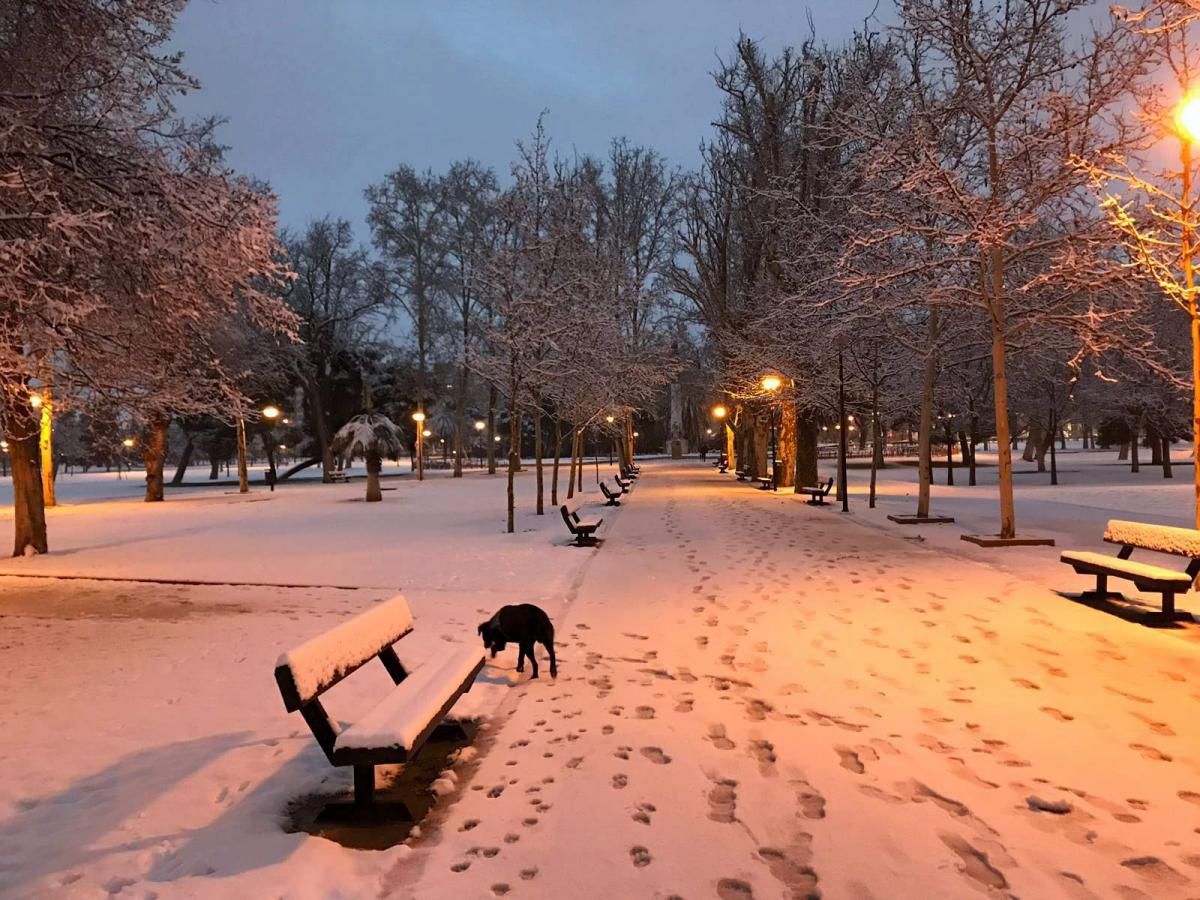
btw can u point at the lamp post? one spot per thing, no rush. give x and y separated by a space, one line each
770 384
480 427
1187 120
610 420
419 418
270 413
4 456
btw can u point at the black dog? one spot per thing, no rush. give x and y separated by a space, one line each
521 625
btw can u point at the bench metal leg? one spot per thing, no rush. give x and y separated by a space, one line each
1168 604
364 786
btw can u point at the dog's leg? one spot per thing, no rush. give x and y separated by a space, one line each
532 659
520 657
549 645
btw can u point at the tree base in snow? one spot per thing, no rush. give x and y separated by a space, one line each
922 520
994 540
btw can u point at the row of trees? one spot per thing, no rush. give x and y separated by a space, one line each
147 289
908 229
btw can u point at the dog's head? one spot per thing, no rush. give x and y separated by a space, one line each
492 638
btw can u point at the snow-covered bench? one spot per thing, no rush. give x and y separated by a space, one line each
623 484
338 476
766 483
585 532
742 474
393 731
817 495
610 498
1145 576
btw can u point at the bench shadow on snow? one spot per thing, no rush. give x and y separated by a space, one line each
1132 609
55 832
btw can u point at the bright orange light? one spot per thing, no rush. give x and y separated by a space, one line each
719 412
418 416
426 432
128 442
1187 117
270 412
772 382
609 419
35 400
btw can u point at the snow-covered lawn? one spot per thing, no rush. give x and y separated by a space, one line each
756 698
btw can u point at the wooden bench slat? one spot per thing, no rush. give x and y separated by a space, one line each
401 720
1128 568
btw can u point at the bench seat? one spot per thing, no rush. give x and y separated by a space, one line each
400 723
1147 577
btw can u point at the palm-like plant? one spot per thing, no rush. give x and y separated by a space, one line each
372 436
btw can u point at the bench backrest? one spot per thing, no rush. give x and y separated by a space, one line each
566 514
828 486
1159 538
309 670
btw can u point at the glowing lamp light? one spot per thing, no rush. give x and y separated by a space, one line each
637 434
128 442
283 446
4 446
719 412
709 431
1187 117
35 400
772 382
609 419
418 416
496 439
286 421
426 433
480 425
270 412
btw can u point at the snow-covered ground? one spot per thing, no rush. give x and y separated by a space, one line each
756 698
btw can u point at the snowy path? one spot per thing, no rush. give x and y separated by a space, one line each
756 697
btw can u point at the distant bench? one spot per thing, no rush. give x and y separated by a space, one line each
610 498
584 532
742 474
817 495
393 731
1153 579
766 483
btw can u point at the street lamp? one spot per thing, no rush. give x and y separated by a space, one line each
719 412
270 412
35 400
770 384
480 425
419 418
1187 121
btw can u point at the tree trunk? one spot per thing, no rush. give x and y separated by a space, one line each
1134 463
925 427
571 473
1166 457
876 444
557 457
491 430
514 460
29 511
1052 443
761 438
460 415
46 450
185 460
1034 443
154 455
785 471
949 435
1123 453
374 463
843 437
807 433
243 472
1008 512
537 455
214 468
